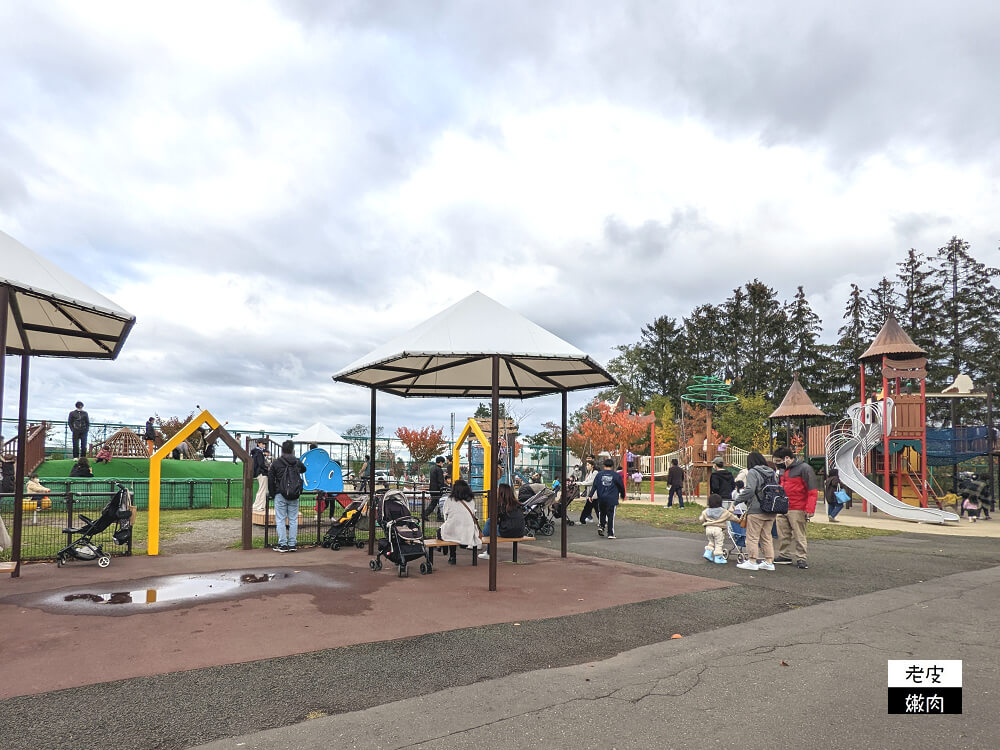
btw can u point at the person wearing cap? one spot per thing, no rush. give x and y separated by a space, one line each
437 486
79 426
150 435
721 482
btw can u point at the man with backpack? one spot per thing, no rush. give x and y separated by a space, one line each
79 426
802 488
284 482
609 487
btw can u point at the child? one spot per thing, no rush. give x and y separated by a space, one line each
714 518
103 456
971 505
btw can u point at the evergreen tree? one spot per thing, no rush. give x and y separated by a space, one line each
920 303
701 335
805 355
879 305
764 343
661 353
627 370
734 323
851 343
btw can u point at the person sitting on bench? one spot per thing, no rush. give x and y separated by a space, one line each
511 524
460 523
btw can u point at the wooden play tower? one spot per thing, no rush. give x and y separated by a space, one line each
903 364
795 405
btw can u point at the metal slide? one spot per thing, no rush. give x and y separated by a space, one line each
851 440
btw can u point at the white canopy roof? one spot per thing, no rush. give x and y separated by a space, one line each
450 355
52 314
319 434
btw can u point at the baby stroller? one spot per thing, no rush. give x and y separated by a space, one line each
404 538
561 505
737 538
539 517
119 512
342 529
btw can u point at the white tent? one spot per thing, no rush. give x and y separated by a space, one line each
449 355
49 313
476 348
319 434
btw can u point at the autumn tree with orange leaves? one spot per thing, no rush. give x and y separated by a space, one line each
423 444
606 430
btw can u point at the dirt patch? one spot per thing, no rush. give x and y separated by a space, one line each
210 535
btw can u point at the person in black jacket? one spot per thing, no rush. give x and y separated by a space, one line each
675 480
609 487
437 486
511 523
81 468
260 471
722 482
284 484
150 436
79 425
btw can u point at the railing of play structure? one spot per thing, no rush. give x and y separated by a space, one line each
733 456
35 453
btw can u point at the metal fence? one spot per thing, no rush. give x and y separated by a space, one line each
45 520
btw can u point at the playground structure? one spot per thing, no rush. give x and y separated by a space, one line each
156 460
795 405
893 422
479 479
123 444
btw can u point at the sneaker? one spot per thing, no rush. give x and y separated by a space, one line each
600 531
612 536
584 521
720 560
748 565
281 548
708 554
783 561
832 520
801 565
291 548
484 555
765 566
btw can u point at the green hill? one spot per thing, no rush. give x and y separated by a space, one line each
138 468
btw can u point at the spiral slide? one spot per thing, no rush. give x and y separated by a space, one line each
843 452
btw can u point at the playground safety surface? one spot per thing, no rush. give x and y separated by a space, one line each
144 616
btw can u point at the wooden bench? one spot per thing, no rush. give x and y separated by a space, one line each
433 544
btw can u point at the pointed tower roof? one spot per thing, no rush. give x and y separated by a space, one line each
893 341
796 403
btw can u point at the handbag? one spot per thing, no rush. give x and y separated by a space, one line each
744 519
842 497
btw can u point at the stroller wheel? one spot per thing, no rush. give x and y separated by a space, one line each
336 545
423 569
548 529
104 561
725 554
741 558
359 545
60 562
371 564
325 544
403 572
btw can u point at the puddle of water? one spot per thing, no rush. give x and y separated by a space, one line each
179 588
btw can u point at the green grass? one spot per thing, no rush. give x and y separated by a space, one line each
685 519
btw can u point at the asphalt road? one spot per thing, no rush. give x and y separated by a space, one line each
186 709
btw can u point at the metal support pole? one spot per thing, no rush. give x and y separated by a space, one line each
491 499
886 467
652 456
371 481
564 486
923 443
22 442
4 298
864 503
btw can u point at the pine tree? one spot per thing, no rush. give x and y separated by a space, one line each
879 305
805 355
851 344
661 351
764 345
701 334
920 303
732 327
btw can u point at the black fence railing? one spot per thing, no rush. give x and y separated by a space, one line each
44 520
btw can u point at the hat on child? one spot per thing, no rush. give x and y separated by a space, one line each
718 461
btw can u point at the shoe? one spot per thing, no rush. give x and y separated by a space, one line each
612 536
971 519
584 521
291 548
801 565
832 520
719 559
281 548
783 561
748 565
484 555
600 531
708 554
765 566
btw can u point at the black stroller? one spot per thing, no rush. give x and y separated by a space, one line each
404 538
119 512
566 497
539 516
341 531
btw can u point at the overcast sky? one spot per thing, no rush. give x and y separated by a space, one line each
276 188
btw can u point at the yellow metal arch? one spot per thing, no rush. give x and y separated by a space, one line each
472 428
153 545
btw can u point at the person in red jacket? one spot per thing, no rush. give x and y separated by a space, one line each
802 488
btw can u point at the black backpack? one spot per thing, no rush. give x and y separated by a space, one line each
772 496
290 482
